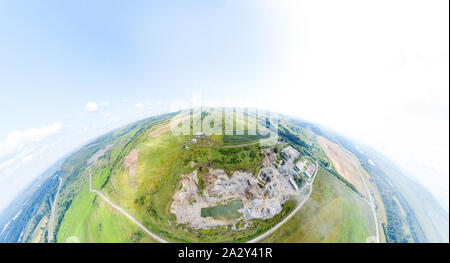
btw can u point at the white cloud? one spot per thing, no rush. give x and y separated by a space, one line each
39 152
91 106
21 147
139 105
381 81
113 119
94 106
18 140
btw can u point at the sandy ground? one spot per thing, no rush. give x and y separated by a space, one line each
342 163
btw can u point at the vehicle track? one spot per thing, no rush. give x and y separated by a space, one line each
143 228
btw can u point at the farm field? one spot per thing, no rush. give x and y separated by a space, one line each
237 188
143 176
90 219
343 164
333 214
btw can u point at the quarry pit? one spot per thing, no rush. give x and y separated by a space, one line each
242 196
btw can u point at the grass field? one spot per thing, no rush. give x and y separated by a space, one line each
161 159
90 219
343 164
333 214
84 214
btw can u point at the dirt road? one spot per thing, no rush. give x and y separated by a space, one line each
143 228
371 202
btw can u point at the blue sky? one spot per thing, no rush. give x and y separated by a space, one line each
63 54
72 70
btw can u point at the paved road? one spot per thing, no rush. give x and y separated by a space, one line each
143 228
51 221
273 229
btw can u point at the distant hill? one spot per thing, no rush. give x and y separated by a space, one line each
414 214
146 190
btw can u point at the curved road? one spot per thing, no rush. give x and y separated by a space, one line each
143 228
273 229
257 239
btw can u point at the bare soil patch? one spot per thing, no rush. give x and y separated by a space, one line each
342 163
131 163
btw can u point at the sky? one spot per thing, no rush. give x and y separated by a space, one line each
377 71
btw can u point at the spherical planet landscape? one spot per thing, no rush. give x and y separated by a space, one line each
224 175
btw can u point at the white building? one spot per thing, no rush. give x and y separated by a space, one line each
294 185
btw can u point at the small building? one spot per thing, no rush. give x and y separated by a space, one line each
299 165
310 170
198 134
294 185
290 153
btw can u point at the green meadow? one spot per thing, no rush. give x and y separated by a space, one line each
333 214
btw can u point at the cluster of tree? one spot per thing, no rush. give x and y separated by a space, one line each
137 236
402 224
28 214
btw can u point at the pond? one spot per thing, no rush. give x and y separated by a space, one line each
225 211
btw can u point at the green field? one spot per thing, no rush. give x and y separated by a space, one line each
84 215
90 219
161 162
333 214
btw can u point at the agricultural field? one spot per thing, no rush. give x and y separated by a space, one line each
95 222
343 164
240 185
142 173
83 214
149 202
332 214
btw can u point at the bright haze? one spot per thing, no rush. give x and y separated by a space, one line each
376 71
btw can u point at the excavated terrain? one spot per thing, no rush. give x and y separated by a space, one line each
262 195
